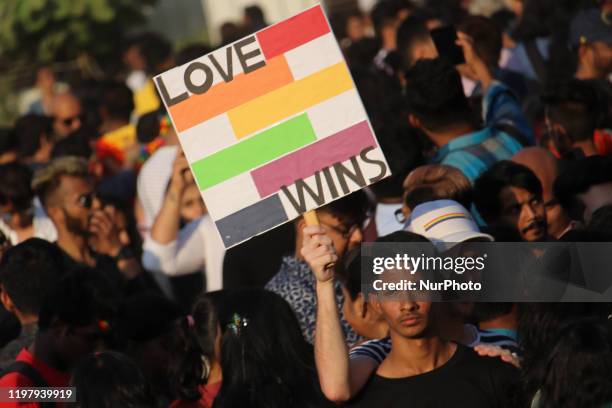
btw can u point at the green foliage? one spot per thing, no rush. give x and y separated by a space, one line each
48 30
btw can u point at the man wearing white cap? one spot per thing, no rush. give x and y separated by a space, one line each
445 223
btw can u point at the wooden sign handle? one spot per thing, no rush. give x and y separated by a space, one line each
311 218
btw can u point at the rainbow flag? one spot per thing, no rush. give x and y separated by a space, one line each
272 126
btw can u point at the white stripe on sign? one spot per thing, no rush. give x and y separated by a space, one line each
336 114
230 196
313 56
207 138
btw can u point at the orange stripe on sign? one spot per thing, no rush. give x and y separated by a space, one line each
225 96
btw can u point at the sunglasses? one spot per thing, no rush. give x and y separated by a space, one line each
86 200
70 121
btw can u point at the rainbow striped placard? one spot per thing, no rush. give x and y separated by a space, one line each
272 126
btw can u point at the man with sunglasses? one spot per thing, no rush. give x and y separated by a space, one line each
67 115
342 220
85 231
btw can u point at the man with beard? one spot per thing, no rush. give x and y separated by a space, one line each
85 231
510 195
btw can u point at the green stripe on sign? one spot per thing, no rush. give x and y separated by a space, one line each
254 151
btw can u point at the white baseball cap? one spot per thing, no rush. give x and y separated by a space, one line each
445 223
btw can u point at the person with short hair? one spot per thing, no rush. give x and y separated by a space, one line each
70 324
590 37
585 185
510 194
440 109
67 193
67 114
342 220
22 214
423 369
27 273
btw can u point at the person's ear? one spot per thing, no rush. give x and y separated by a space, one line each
6 301
55 214
414 121
300 224
375 304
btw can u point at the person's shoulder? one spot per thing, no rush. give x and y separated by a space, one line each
15 380
494 366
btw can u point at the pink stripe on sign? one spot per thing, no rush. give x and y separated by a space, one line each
305 162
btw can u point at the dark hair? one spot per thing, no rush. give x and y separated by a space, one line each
434 94
340 20
578 366
29 271
485 311
118 101
256 14
75 144
29 129
15 186
386 11
490 184
487 37
535 21
576 177
198 344
154 49
72 302
413 30
265 359
576 105
190 52
601 220
110 379
352 208
8 140
540 326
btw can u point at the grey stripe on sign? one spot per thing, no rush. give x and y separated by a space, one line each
252 220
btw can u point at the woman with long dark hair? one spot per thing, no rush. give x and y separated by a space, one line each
265 360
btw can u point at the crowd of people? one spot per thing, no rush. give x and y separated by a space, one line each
114 280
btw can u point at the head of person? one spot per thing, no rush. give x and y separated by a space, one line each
349 27
487 38
150 52
67 114
342 220
545 167
71 322
591 38
510 194
67 194
201 345
582 347
445 223
190 52
147 326
254 18
117 103
77 144
16 195
265 359
585 185
34 140
414 42
230 32
8 146
27 273
573 110
435 98
432 182
192 205
110 379
387 15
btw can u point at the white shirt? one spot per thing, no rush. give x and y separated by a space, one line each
153 181
197 247
43 226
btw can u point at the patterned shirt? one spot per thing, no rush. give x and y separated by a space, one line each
296 283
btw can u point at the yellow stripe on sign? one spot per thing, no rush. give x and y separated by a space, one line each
289 100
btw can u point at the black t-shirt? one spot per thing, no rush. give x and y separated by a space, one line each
466 380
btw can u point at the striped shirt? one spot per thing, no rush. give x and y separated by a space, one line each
475 152
378 349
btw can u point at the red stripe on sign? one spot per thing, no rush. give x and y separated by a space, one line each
293 32
305 162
